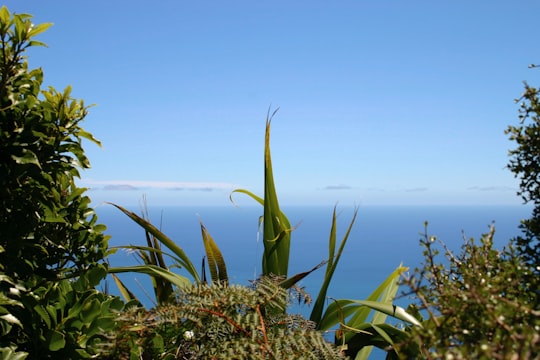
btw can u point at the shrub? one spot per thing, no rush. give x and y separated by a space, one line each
477 303
51 247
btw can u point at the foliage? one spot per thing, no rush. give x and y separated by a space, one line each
360 331
477 303
51 247
66 319
525 164
357 332
46 224
222 322
164 280
276 227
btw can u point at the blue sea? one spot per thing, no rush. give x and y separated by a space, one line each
383 237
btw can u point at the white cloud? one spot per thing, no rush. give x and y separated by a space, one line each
166 185
491 188
417 189
338 187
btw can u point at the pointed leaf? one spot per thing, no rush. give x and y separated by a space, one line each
333 261
288 283
38 29
393 310
124 291
216 262
177 280
184 259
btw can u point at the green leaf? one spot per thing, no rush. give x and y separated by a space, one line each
216 262
343 308
124 291
38 29
276 226
393 310
147 226
177 280
12 354
43 314
288 283
28 157
57 341
5 17
89 136
333 261
9 318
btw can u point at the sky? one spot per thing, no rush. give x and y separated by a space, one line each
380 102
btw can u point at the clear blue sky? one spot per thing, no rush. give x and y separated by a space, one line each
381 102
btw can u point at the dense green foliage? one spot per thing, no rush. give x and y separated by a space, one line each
525 164
478 303
222 322
46 225
51 248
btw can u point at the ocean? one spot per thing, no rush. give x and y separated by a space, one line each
383 237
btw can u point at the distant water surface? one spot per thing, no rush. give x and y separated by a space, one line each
381 239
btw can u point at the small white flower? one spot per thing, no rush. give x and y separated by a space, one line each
14 291
188 335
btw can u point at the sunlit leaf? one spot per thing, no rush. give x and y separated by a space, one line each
288 283
176 279
57 341
333 261
124 291
183 258
216 262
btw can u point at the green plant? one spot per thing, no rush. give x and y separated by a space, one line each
67 319
164 279
51 247
478 303
223 322
365 327
525 164
47 226
361 323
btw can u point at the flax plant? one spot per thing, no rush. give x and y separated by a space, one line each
164 280
276 227
359 324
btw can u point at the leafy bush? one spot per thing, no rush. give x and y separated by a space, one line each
51 247
525 164
477 303
46 224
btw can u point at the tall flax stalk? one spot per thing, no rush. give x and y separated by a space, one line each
276 227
